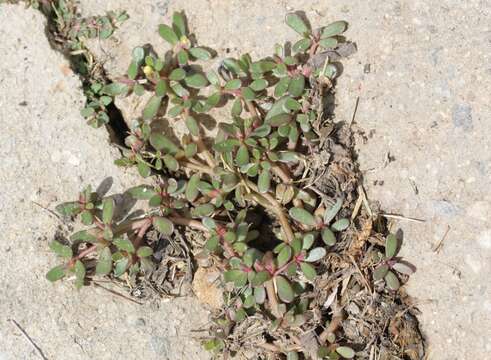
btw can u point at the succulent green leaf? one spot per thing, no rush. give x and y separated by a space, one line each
284 288
163 225
287 156
297 85
261 131
87 112
143 169
107 210
170 162
248 93
133 70
233 84
200 53
168 34
232 65
280 119
282 86
302 216
182 57
238 277
161 88
68 208
328 43
308 241
138 89
212 243
242 157
284 256
332 212
260 278
328 236
114 89
209 223
308 270
124 245
61 250
380 272
192 190
345 352
196 81
105 262
297 23
277 108
163 143
79 274
262 66
291 105
391 246
260 294
237 107
177 74
323 352
227 145
334 29
264 181
203 210
56 273
190 150
213 78
192 125
315 254
249 301
340 225
392 281
142 192
152 107
83 235
179 24
296 245
120 266
302 45
138 55
259 84
144 251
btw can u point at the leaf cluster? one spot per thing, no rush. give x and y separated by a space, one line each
213 185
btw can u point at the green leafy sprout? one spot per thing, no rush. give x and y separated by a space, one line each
211 185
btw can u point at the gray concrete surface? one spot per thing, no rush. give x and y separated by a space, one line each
422 74
47 154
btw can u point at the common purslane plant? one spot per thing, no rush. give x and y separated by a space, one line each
212 185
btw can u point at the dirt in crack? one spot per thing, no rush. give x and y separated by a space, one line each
66 32
117 128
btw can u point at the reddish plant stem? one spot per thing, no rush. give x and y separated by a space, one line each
81 255
141 233
195 224
278 209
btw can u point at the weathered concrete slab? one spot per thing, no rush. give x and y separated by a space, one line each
423 78
47 154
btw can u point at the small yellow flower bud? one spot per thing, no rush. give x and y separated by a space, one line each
148 70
